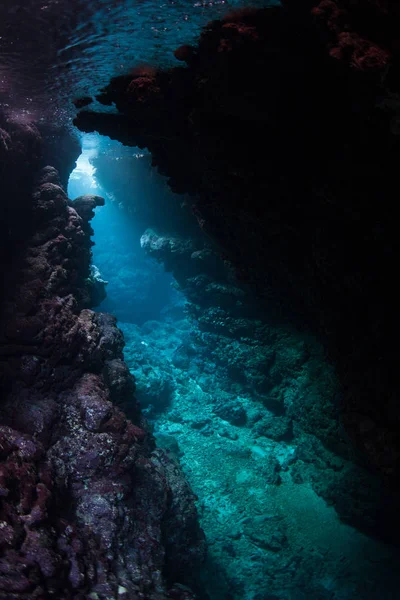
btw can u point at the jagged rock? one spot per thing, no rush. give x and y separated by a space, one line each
90 503
231 411
85 205
161 247
276 428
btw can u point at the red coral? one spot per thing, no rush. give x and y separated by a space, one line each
185 53
144 89
356 32
361 54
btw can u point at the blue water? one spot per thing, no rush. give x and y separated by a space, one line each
55 50
250 417
137 288
247 417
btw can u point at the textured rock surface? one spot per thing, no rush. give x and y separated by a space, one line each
364 34
87 509
284 127
61 149
285 517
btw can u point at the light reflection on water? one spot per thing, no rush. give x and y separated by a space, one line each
53 51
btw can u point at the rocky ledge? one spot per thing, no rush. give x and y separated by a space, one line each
283 126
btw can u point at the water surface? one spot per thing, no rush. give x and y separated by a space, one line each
54 51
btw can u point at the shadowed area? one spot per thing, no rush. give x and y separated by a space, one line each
248 404
198 301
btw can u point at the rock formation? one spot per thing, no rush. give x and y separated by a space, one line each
283 126
89 508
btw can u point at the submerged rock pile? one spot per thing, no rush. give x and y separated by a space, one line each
88 507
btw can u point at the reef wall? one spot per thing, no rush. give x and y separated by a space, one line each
88 507
283 126
249 405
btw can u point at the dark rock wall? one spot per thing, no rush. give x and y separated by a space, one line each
235 349
283 126
87 508
61 149
24 149
147 199
21 150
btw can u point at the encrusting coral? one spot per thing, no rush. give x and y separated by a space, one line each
88 508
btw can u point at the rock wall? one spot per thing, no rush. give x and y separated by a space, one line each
283 127
239 352
88 507
231 371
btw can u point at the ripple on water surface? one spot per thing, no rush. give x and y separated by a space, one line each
52 51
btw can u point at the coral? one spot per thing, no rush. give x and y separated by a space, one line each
361 34
185 53
232 412
82 495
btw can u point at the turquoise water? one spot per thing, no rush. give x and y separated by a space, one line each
138 289
247 405
250 417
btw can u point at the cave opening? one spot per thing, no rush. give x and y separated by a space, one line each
137 288
198 300
245 404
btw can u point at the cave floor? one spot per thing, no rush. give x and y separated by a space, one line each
269 537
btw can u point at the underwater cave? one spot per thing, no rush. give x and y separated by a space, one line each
198 310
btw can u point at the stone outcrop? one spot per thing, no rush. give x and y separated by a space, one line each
61 148
283 127
88 507
239 352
